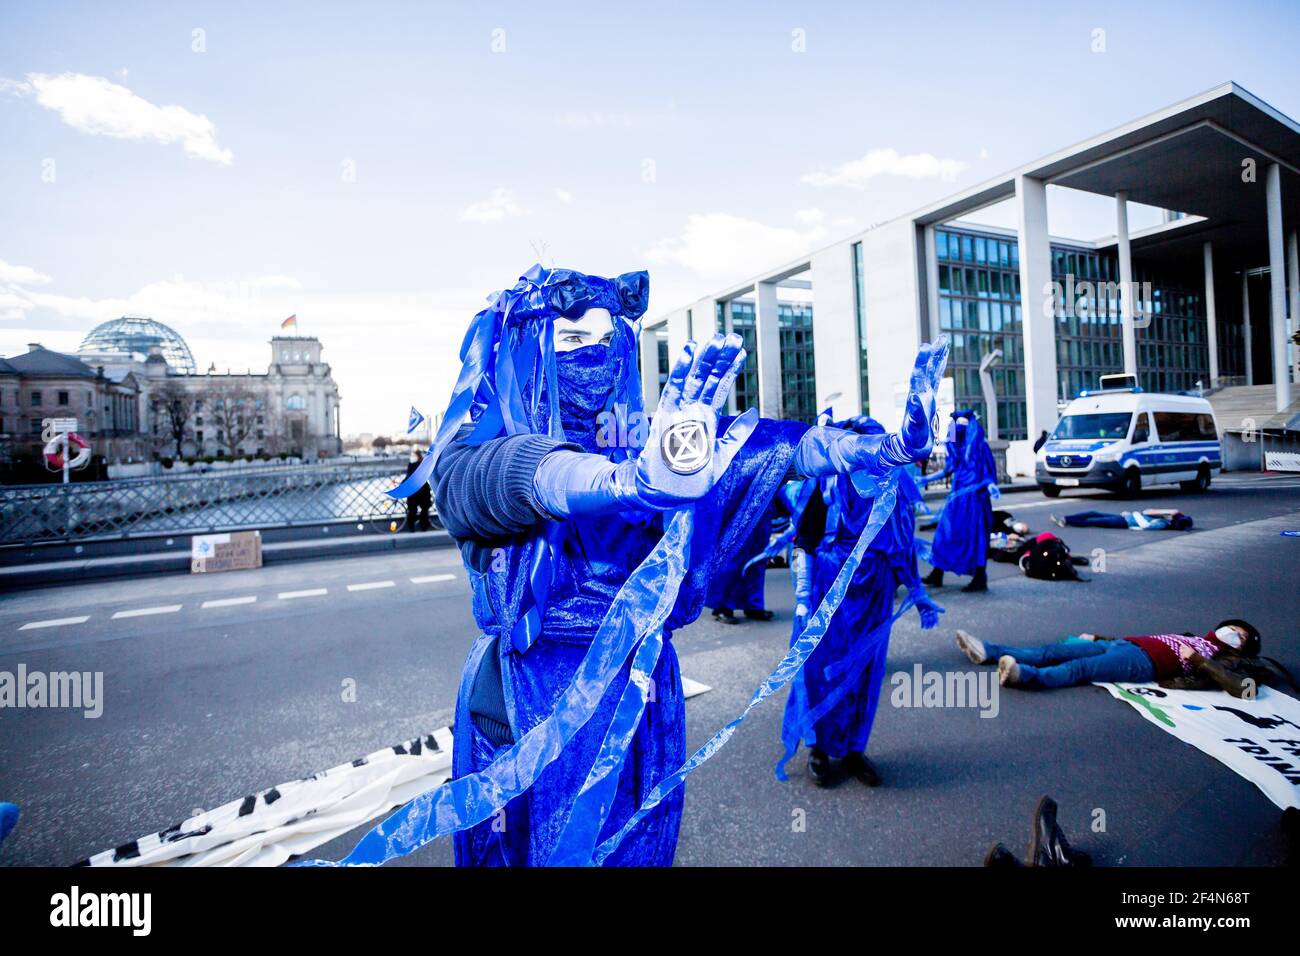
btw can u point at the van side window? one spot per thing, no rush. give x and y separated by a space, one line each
1183 426
1142 430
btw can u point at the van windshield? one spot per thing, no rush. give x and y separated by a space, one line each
1104 425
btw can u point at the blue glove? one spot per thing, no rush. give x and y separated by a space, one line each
832 451
801 575
682 458
993 491
926 608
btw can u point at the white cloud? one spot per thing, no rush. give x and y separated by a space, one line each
21 275
493 209
563 195
100 107
718 245
810 216
886 162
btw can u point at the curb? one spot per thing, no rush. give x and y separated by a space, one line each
53 573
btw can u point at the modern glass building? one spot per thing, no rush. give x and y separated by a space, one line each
137 335
1196 299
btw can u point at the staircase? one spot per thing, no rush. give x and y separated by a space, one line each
1242 408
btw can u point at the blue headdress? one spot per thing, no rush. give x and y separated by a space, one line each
507 379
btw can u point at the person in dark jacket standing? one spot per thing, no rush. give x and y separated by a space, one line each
421 501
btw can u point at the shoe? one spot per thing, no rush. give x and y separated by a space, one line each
1008 671
980 582
819 765
999 856
1047 843
857 765
973 648
934 579
1059 522
759 614
723 615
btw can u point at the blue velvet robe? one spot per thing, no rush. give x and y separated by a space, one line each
868 603
595 557
961 539
736 588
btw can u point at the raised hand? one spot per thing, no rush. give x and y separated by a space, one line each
683 457
920 428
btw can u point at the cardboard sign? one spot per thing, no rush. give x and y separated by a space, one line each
235 551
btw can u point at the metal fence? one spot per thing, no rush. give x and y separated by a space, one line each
221 501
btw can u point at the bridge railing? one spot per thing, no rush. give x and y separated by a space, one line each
221 501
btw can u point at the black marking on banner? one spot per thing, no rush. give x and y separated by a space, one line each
431 742
247 807
361 761
399 748
85 862
416 748
173 834
127 851
271 796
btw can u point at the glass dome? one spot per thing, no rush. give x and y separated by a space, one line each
137 334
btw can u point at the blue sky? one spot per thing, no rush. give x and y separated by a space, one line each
379 168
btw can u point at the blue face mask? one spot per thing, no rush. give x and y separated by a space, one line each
585 378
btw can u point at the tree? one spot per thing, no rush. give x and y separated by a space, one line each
234 410
175 405
380 443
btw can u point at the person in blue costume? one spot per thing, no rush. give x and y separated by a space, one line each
740 583
961 539
832 703
590 534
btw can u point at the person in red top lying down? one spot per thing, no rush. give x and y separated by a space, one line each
1220 658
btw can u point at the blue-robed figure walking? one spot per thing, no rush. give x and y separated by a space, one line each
961 539
832 703
590 534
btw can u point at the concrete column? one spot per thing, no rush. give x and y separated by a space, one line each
768 338
931 284
1277 287
729 326
1126 289
1037 304
835 331
1211 323
1293 285
1245 326
649 348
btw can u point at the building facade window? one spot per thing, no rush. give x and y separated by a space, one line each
63 398
798 368
744 320
295 403
860 320
36 399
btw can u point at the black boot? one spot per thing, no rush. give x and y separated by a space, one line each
723 615
859 766
819 765
1047 843
759 614
1000 857
934 579
980 582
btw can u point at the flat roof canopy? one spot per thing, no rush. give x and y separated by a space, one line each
1188 158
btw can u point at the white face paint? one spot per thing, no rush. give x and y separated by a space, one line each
1231 635
596 327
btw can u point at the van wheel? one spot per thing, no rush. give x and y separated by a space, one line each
1051 491
1200 483
1130 485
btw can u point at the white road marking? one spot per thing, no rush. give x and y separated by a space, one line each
230 602
310 592
56 622
147 611
371 585
430 578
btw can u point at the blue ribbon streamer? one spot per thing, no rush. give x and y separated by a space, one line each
881 508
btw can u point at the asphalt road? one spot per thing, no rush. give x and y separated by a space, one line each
206 704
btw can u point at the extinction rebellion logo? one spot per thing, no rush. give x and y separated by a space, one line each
686 446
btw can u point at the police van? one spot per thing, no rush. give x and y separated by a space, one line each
1124 439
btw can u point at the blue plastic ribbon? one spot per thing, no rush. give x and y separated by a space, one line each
785 671
639 609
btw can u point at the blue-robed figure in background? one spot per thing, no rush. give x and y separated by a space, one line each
740 583
590 534
961 539
833 701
